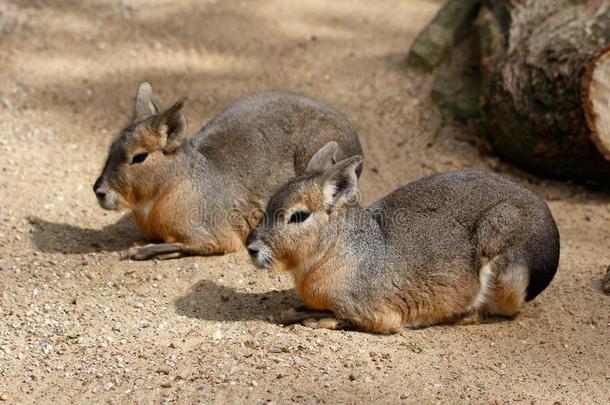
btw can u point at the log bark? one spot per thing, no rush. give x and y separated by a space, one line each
448 28
534 78
539 85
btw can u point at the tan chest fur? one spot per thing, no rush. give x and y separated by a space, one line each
165 218
317 283
156 218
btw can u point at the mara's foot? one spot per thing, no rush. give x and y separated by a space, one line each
161 251
311 319
474 317
331 323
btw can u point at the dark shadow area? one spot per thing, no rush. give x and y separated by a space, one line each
53 237
215 302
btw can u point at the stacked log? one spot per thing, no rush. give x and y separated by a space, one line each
536 77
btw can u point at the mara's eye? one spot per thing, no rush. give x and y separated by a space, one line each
298 216
139 158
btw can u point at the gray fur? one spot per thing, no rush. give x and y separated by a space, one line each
231 166
444 224
429 238
250 149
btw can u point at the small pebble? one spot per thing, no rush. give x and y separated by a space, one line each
163 370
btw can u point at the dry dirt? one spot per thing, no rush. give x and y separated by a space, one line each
78 324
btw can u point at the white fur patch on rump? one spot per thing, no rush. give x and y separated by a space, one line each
486 279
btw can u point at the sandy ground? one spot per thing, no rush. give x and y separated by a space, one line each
79 324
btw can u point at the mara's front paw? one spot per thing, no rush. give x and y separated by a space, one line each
311 319
157 251
327 323
291 316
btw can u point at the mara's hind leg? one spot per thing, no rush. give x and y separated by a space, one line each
504 236
510 289
473 317
503 285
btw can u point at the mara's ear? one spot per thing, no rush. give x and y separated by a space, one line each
340 182
323 159
145 102
171 126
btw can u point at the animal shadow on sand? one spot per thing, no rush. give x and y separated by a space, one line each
215 302
54 237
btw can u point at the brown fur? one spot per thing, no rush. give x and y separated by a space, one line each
316 284
159 220
420 256
508 299
204 195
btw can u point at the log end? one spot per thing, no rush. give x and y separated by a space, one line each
596 94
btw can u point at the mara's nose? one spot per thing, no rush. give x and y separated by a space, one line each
98 190
100 194
252 250
250 245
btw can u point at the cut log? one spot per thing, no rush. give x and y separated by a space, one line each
543 71
596 99
533 78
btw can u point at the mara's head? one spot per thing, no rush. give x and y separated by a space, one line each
290 234
141 152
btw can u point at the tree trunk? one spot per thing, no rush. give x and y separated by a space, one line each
541 74
540 82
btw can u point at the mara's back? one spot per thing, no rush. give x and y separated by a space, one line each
270 136
457 199
455 218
